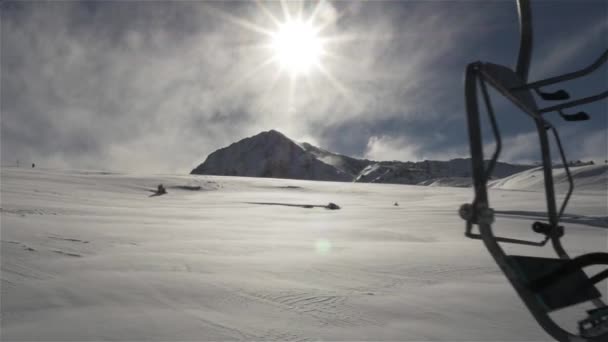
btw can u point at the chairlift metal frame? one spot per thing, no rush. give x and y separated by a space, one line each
544 284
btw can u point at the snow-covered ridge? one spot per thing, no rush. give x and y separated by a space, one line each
272 154
586 178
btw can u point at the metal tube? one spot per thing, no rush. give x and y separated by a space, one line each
475 141
525 39
495 130
548 172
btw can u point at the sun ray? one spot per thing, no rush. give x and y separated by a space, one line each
315 10
270 86
341 38
339 86
286 14
296 45
273 81
323 26
300 9
250 73
309 85
290 95
268 14
241 22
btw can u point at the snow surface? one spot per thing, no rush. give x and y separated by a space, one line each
586 178
461 182
91 256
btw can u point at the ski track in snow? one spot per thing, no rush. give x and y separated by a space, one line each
89 256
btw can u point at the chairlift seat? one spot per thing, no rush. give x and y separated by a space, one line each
571 289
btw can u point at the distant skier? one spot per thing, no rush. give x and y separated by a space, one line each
33 165
160 190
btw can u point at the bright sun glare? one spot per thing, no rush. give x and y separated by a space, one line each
297 46
298 42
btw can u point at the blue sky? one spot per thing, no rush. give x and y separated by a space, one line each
156 86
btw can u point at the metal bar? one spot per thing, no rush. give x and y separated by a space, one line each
568 174
511 96
575 103
490 112
566 77
548 172
509 240
525 39
599 277
475 140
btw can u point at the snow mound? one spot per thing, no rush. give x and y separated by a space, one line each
586 178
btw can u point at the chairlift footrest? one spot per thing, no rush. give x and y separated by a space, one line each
572 289
596 324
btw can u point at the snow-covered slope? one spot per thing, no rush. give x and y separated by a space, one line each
444 173
348 165
269 154
460 182
272 154
89 256
586 178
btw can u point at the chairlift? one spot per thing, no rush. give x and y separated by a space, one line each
544 284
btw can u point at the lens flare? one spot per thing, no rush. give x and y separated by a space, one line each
323 246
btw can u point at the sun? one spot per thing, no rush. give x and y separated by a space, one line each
297 46
300 38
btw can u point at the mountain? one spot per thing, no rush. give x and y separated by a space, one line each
269 154
348 165
272 154
455 172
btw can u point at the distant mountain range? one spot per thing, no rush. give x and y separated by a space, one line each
272 154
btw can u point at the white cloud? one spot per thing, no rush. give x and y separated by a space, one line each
387 148
519 148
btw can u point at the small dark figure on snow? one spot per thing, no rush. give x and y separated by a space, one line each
396 204
332 206
160 190
33 165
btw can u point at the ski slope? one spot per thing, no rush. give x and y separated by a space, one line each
91 256
588 178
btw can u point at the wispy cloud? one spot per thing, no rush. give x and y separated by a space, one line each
558 56
595 146
403 148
